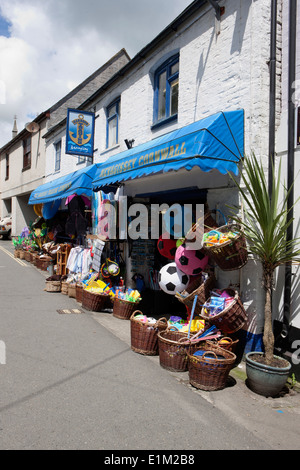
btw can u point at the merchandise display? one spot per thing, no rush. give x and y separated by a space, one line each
91 269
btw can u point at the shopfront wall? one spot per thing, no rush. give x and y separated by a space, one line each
216 73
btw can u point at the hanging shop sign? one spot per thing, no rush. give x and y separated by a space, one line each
80 133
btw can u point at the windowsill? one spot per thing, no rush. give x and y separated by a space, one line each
26 168
6 178
110 149
164 121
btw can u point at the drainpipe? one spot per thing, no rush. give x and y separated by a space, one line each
217 8
290 156
272 93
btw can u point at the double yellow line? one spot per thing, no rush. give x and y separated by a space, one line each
12 256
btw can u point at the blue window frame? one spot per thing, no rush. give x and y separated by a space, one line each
166 85
112 123
57 148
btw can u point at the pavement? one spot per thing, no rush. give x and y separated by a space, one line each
288 401
277 418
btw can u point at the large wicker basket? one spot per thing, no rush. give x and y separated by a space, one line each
202 291
173 348
79 290
27 256
123 309
64 287
22 254
53 286
72 290
210 370
232 254
232 318
94 301
144 338
43 262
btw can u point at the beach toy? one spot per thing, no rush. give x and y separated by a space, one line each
172 280
191 262
166 246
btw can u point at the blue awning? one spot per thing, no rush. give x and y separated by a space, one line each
215 142
78 182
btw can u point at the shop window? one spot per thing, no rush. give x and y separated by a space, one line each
112 126
27 153
166 83
6 166
57 148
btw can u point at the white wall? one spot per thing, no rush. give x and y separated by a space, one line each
22 183
281 151
217 73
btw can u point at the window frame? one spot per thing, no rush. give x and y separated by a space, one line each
170 79
57 161
6 166
26 153
109 119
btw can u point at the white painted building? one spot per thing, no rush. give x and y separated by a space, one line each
212 65
22 167
25 163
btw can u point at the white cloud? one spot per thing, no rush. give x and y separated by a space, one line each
54 45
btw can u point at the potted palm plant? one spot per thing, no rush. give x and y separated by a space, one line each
264 225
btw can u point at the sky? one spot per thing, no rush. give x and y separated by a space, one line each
49 47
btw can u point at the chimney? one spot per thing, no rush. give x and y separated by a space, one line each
15 129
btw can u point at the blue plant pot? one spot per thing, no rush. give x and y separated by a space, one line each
263 379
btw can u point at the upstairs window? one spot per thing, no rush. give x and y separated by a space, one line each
26 153
57 149
166 83
112 125
6 166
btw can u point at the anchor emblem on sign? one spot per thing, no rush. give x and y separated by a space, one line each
81 123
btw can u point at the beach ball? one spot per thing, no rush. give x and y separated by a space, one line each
191 262
172 280
166 247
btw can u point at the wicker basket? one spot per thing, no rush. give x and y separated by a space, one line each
53 286
43 262
27 256
22 254
79 290
173 348
203 224
94 301
64 288
202 291
144 338
17 253
230 255
210 370
232 318
72 290
123 309
227 343
32 257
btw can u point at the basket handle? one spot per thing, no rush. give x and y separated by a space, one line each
210 352
161 322
172 328
135 312
227 339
